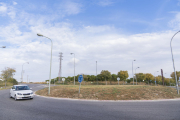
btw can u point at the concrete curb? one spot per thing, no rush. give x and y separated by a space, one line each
88 100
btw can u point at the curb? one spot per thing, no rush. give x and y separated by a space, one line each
89 100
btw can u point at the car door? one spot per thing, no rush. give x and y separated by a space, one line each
12 91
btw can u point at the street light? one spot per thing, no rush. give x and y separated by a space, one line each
22 71
174 65
50 60
74 67
135 75
132 71
3 47
155 77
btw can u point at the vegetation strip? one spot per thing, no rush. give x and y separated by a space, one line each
112 92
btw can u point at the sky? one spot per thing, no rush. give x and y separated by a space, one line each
111 32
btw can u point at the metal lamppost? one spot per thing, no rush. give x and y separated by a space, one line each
132 71
174 65
135 75
74 67
155 77
22 71
96 73
50 60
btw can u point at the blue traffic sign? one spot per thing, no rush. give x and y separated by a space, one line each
80 78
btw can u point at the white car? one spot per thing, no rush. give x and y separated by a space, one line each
21 92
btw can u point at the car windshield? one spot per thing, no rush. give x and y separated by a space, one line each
22 88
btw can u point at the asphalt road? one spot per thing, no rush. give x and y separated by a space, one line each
41 108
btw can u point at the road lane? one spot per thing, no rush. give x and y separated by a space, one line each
41 108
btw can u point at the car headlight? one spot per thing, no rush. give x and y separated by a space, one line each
19 94
31 92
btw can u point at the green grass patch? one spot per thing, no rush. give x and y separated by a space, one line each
111 92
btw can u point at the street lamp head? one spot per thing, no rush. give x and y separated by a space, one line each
39 35
3 46
138 67
27 62
134 60
71 53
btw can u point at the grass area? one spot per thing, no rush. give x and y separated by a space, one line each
7 87
111 92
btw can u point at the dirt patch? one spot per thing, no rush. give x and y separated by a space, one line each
111 92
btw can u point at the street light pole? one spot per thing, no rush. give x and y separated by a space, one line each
50 60
96 73
173 64
74 67
22 71
4 47
135 75
155 77
132 71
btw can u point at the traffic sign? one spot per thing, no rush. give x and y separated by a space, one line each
63 79
155 81
118 78
80 78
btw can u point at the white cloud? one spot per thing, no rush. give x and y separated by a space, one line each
7 10
70 8
105 2
14 3
175 23
3 8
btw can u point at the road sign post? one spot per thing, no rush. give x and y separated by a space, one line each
63 79
118 80
80 79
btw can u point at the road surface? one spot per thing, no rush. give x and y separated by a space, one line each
41 108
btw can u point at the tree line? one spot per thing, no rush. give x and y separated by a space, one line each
105 75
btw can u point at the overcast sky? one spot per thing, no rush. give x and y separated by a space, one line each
111 32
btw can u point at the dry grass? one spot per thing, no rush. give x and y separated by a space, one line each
3 88
112 92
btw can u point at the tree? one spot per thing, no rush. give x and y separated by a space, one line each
149 77
177 74
140 77
114 77
7 75
85 77
106 75
123 75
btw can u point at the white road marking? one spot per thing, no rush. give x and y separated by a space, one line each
71 99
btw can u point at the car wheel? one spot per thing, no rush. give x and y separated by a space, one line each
15 98
10 95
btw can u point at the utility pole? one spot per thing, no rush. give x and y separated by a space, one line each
27 78
60 58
